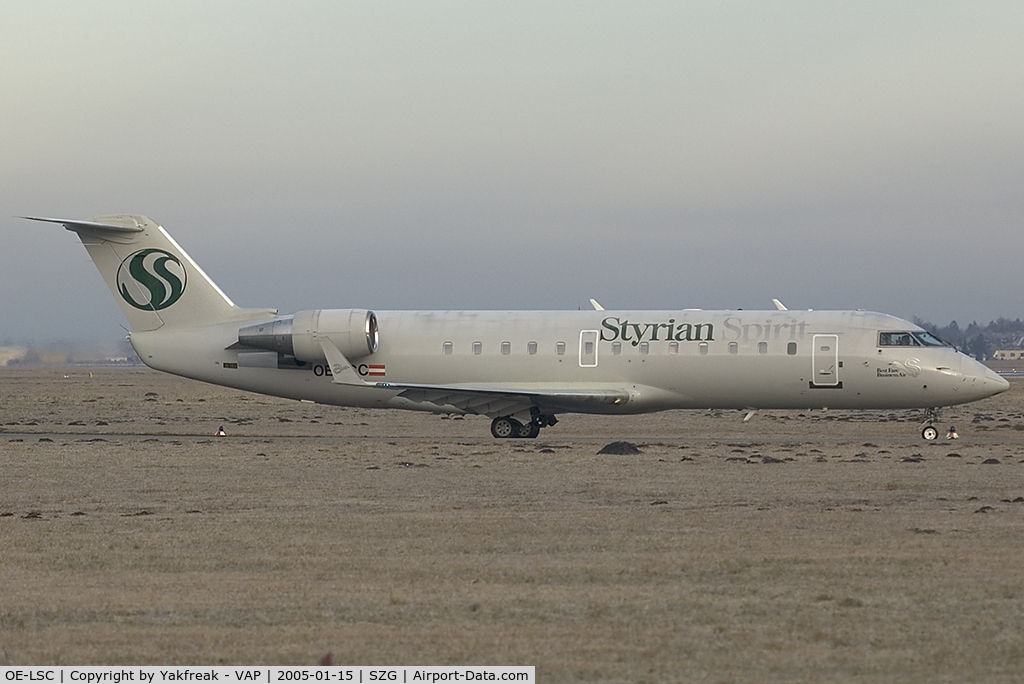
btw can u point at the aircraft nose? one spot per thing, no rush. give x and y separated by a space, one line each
995 381
985 381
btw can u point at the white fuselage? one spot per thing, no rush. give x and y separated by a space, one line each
662 359
520 368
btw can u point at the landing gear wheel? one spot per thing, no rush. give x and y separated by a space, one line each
929 433
529 431
503 428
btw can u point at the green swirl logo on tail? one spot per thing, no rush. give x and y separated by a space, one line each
151 279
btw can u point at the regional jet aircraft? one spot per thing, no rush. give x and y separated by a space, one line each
522 369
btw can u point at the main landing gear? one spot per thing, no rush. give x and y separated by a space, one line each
507 427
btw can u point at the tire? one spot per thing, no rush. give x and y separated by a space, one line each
529 431
503 428
930 433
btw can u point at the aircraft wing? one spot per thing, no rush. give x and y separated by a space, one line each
495 402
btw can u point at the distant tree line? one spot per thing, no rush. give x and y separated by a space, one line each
978 341
67 353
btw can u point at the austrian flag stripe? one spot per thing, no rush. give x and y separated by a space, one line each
376 370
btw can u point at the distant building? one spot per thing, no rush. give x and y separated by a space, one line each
1007 361
8 354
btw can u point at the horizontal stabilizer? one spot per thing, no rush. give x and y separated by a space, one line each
130 225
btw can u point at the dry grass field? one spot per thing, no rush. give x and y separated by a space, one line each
796 547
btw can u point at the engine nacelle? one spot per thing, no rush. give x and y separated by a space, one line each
352 331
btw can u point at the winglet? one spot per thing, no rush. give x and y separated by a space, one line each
779 305
343 371
597 307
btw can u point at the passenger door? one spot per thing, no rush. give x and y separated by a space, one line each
825 361
588 348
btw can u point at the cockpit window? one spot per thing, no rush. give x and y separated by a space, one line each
897 339
929 340
909 339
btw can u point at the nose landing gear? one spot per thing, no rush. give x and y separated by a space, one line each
930 432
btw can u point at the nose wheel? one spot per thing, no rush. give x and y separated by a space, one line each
931 416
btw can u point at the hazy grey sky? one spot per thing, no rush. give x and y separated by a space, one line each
520 155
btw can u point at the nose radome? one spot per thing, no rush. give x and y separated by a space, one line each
996 381
985 380
978 380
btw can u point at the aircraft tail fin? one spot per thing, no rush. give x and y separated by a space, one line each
154 281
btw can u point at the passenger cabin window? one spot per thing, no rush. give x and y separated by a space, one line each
478 347
506 348
762 347
645 348
616 348
791 348
703 348
673 347
531 347
734 348
560 348
447 347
